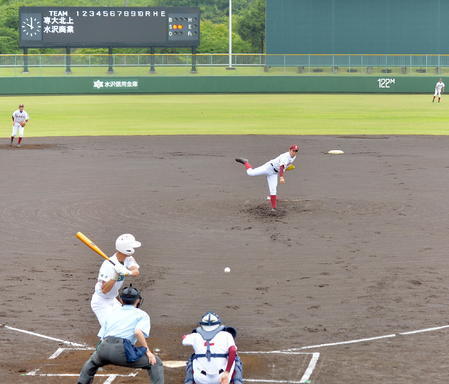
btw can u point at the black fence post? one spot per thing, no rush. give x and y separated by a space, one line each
152 61
68 60
25 60
193 60
111 61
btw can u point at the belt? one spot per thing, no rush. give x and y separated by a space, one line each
274 169
113 339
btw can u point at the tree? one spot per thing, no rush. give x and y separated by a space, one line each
251 25
214 39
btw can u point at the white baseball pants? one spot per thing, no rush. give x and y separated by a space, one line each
102 307
17 129
268 170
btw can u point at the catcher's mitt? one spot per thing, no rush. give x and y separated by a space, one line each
22 123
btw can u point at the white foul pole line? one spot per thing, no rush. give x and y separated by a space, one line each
230 34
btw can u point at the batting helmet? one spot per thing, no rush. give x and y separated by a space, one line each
210 321
126 243
130 295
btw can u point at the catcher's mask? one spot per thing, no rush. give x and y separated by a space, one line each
210 321
130 295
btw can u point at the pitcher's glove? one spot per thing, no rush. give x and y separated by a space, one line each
22 123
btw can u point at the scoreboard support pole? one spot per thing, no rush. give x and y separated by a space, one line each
68 60
152 61
25 60
111 58
193 60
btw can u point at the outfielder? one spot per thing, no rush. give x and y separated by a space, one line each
19 119
439 89
215 360
111 277
272 169
120 331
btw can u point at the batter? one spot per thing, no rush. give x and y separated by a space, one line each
111 277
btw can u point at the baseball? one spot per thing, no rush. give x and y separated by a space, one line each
227 270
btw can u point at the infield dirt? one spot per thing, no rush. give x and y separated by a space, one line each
358 249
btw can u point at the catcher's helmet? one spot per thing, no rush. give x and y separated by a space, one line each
210 321
126 243
130 295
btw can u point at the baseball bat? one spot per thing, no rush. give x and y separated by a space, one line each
93 246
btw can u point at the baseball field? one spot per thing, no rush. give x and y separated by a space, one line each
288 114
345 283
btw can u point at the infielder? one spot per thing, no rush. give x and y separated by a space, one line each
272 169
439 89
215 360
19 119
111 277
120 331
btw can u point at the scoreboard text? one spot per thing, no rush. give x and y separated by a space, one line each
109 27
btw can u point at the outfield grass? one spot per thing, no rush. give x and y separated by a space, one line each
279 114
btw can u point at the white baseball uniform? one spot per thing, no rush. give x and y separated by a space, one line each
208 371
271 170
439 86
18 117
102 303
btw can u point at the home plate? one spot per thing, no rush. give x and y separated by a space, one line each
174 363
335 152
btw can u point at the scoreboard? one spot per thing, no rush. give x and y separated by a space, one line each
43 27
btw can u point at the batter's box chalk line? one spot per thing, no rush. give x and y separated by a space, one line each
178 364
291 351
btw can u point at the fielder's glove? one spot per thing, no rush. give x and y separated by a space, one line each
22 123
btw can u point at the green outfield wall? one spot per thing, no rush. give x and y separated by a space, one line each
357 26
216 84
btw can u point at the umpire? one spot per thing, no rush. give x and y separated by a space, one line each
119 333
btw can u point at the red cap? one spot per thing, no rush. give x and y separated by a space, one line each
294 147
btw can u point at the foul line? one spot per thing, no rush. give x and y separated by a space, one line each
367 339
305 377
43 336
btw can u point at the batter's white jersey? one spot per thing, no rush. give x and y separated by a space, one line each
102 303
204 371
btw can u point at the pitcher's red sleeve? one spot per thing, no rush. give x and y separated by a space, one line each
281 170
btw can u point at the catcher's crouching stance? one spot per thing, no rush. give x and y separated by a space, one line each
215 360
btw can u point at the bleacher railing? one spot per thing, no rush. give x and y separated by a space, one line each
300 63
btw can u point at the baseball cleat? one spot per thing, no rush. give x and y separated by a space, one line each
18 145
241 160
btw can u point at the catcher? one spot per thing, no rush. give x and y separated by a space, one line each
215 360
19 119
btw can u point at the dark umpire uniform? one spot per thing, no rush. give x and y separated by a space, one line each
118 335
